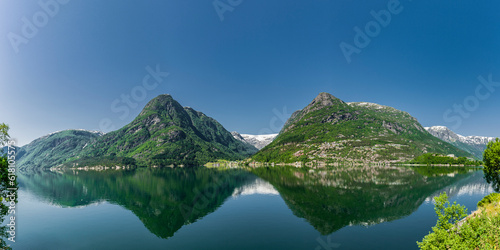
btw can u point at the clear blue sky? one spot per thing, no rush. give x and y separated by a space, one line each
263 56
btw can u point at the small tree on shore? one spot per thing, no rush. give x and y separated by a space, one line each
491 157
448 216
4 180
4 133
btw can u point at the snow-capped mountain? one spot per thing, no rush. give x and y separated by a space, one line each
472 144
258 141
446 134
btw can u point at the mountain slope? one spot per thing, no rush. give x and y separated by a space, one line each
472 144
55 148
328 129
166 133
258 141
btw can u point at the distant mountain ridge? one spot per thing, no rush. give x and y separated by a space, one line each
331 130
258 141
472 144
55 148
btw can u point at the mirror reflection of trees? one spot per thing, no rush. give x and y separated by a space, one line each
330 199
163 199
493 179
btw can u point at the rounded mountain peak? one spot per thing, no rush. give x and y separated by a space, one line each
162 102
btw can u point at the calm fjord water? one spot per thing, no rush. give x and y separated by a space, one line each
199 208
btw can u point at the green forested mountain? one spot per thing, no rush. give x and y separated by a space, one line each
166 133
54 149
328 129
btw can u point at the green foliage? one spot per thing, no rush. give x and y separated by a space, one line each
4 184
491 157
4 133
481 231
448 214
489 199
430 158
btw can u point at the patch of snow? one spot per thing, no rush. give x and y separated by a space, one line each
367 104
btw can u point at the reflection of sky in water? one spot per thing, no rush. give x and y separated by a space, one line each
474 185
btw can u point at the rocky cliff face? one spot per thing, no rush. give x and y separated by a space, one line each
472 144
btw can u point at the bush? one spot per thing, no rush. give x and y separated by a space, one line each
481 231
491 198
4 183
491 157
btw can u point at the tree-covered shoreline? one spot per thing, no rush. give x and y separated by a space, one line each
480 230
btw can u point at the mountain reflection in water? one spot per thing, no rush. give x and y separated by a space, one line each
330 199
166 199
